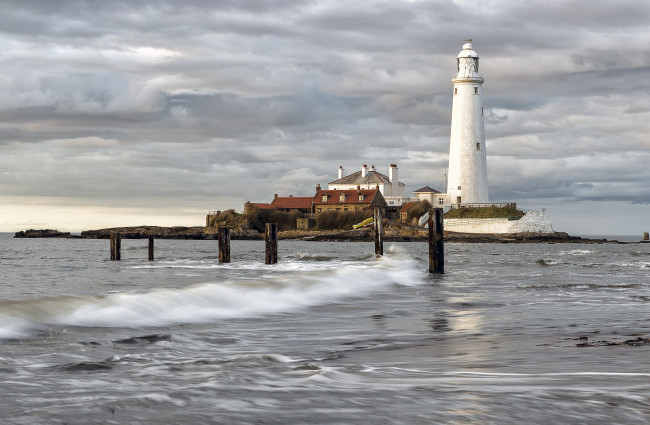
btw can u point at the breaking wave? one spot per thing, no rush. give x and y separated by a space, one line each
294 288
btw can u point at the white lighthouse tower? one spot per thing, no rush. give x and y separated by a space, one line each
467 181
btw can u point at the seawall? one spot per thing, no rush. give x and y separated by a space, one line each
538 221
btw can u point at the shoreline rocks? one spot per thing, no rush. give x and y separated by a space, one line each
43 233
393 232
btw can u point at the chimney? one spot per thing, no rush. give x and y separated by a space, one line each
364 170
340 171
393 178
275 196
317 188
372 168
358 187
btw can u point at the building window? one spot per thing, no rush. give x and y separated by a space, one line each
362 196
342 197
478 146
319 209
475 90
458 200
441 201
324 198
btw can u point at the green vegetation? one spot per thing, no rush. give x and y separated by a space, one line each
258 218
328 220
417 211
485 212
341 220
227 218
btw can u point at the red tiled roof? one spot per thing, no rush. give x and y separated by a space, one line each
407 206
292 202
261 206
351 196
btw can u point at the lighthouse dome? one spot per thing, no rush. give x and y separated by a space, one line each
468 51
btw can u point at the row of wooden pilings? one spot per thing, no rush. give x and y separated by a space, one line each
436 243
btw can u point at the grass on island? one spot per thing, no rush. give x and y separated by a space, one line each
486 212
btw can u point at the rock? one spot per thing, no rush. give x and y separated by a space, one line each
143 232
43 233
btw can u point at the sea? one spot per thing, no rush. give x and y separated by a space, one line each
509 334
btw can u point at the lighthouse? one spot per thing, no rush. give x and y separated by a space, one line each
467 180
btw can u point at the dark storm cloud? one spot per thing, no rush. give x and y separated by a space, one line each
214 103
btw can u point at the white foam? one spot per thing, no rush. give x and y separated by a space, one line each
576 252
301 286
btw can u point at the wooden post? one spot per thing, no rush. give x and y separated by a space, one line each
150 248
271 237
436 243
224 244
112 237
118 246
379 231
646 236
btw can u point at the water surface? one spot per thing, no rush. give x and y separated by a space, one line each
328 335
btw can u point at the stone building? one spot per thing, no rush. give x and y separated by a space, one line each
369 178
434 197
347 199
249 206
302 204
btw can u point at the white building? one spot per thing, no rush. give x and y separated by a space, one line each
434 197
368 178
467 181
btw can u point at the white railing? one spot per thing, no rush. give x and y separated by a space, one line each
485 205
219 212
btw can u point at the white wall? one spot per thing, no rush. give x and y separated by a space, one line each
533 222
467 164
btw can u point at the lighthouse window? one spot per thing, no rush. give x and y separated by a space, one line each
478 146
475 90
458 187
456 90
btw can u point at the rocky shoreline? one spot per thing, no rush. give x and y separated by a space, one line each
43 233
392 233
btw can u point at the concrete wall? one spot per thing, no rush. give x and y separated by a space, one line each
538 221
533 222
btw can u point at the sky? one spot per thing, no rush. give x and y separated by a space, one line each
154 112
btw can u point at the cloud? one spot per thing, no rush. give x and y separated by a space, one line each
207 105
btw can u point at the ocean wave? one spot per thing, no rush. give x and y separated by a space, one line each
297 288
576 252
635 264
